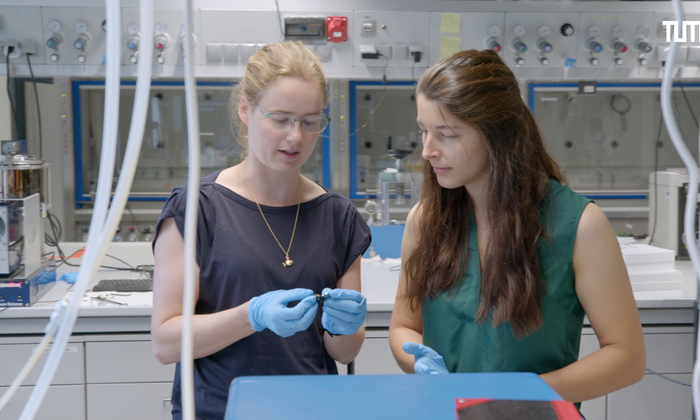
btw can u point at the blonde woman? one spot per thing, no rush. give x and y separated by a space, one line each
267 238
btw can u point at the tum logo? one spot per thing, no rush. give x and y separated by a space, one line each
681 31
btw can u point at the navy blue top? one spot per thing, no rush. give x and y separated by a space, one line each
239 259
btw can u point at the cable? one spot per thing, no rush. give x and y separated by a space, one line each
384 82
691 165
121 261
279 18
53 240
667 378
656 185
56 230
15 128
38 108
384 69
133 218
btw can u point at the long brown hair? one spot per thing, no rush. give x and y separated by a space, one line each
480 90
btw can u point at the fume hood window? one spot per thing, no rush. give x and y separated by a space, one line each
163 161
384 119
610 141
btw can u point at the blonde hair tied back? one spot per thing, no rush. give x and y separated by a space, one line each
268 65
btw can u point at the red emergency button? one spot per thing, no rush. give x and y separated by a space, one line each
336 28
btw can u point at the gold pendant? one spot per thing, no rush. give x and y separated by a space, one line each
288 262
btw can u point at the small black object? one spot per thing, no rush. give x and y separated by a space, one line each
124 285
368 145
319 298
416 56
614 144
587 87
568 144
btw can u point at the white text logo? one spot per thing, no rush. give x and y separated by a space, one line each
681 31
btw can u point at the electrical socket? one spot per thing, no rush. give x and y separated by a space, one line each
11 49
369 27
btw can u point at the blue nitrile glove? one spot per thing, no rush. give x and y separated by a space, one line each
344 311
428 361
270 311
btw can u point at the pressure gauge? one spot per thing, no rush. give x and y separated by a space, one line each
643 32
543 31
132 27
518 30
161 28
494 31
54 25
2 228
618 31
81 27
593 31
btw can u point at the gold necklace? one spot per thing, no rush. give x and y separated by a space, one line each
288 262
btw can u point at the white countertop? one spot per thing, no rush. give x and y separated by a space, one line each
379 282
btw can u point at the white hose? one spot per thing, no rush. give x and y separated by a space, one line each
110 121
692 166
104 188
191 213
95 252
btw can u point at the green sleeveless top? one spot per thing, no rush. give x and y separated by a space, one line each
449 326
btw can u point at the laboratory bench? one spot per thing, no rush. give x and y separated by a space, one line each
109 372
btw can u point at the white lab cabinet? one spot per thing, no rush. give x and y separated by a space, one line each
116 376
375 357
124 380
592 409
133 401
669 352
15 352
65 398
112 361
62 402
651 399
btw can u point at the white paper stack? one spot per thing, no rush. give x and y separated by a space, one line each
651 268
